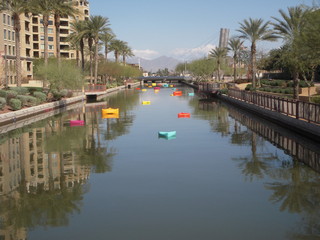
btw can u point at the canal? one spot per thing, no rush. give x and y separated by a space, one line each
225 175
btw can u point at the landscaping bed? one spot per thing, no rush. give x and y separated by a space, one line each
17 98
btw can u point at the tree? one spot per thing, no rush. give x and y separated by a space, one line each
95 27
45 8
106 38
218 54
126 52
117 46
16 8
61 8
235 45
255 30
67 76
77 37
290 28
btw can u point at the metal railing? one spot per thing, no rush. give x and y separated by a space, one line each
309 112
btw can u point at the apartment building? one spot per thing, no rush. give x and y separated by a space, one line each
32 41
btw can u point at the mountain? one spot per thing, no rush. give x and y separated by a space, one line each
155 64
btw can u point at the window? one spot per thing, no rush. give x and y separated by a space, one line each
9 52
8 22
4 18
50 22
41 37
12 36
50 39
13 50
50 47
4 34
9 35
50 30
42 46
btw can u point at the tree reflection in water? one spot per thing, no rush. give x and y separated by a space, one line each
295 186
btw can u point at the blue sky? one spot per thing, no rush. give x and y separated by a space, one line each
183 29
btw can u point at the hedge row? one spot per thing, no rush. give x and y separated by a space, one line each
18 97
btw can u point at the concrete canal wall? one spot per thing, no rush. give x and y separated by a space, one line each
16 116
302 127
309 130
16 119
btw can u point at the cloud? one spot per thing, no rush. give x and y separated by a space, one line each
146 54
192 53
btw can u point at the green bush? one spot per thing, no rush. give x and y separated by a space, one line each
35 89
41 96
63 92
3 94
28 101
11 94
224 91
23 99
3 102
15 104
249 87
20 90
315 99
56 95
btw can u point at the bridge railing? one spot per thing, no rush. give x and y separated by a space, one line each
309 112
95 88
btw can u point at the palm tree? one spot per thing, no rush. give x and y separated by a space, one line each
117 46
106 38
45 8
126 52
219 54
289 28
61 8
95 27
255 30
77 37
16 8
235 45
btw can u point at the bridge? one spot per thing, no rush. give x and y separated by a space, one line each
165 79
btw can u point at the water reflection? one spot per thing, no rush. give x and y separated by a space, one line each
44 166
294 187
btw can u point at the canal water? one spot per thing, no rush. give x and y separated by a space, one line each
226 174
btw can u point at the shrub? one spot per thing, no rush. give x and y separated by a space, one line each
20 90
3 94
64 92
15 104
28 101
41 96
224 91
35 89
56 95
248 87
23 99
315 99
11 94
2 102
32 101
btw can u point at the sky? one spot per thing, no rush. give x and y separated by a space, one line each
184 29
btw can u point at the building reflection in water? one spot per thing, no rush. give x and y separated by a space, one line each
43 173
293 181
45 166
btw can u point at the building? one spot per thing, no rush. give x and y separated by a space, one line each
224 37
32 41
